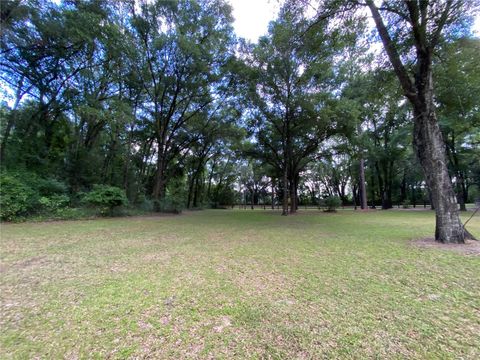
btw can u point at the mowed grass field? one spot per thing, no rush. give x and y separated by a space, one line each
238 284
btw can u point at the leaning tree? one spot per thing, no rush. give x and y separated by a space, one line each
411 32
422 23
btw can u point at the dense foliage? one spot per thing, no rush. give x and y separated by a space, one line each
16 197
106 198
158 103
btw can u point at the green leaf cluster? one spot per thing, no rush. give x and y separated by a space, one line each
106 198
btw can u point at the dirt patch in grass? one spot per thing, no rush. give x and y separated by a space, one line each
32 262
471 247
154 215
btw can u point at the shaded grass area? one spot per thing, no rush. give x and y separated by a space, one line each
237 283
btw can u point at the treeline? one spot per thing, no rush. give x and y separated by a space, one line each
136 95
157 106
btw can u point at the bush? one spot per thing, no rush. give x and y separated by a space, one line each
68 213
321 203
106 198
49 187
16 197
54 202
222 196
169 204
24 193
332 203
174 199
145 206
406 204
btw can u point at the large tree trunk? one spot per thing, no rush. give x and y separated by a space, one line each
430 150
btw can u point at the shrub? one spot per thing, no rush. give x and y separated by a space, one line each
106 198
321 203
48 187
68 213
145 205
174 199
169 204
16 197
406 204
222 196
54 202
332 203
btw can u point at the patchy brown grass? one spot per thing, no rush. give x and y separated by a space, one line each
237 284
471 247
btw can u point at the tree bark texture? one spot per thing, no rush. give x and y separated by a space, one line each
430 150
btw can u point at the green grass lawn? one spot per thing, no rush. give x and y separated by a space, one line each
237 284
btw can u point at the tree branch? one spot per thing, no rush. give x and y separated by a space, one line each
394 57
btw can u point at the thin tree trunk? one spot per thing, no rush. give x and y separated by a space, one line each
196 192
293 197
354 196
210 178
273 195
381 185
414 198
190 191
285 192
159 186
462 195
252 200
296 180
372 179
363 188
10 121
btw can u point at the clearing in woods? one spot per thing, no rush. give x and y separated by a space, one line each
238 283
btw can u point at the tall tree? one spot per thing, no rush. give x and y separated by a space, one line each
422 23
184 47
289 97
